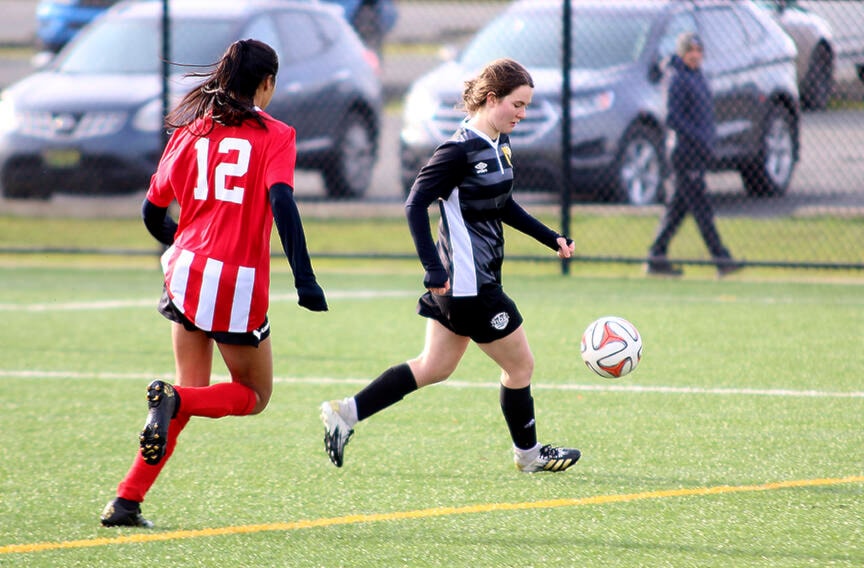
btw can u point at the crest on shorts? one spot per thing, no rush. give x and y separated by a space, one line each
500 321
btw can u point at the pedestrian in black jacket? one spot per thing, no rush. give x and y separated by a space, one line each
691 118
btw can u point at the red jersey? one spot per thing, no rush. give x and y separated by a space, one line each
217 272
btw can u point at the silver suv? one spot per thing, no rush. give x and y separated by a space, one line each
618 103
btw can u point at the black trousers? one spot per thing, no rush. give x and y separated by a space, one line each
690 196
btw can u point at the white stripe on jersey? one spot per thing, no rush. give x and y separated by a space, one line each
180 276
166 257
464 277
211 281
207 296
242 303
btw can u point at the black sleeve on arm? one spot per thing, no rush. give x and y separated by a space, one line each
436 180
524 222
158 222
293 239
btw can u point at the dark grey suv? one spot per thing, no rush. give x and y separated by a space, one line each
91 122
619 94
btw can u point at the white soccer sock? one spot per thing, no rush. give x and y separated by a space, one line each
527 456
348 411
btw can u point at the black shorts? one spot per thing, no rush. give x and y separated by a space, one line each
252 338
486 317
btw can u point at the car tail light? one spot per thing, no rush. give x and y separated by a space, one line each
373 60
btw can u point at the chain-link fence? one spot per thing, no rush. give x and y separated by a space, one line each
785 177
786 90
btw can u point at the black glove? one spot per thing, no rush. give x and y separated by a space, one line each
311 297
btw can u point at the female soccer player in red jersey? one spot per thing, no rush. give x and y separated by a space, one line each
230 167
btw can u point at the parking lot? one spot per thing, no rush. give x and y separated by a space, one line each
829 175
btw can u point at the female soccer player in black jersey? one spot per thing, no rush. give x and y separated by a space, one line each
471 178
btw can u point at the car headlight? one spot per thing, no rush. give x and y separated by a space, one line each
149 117
9 119
585 105
420 107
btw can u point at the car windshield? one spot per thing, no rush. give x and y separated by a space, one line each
601 39
130 46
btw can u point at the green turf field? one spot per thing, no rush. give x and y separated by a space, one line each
738 442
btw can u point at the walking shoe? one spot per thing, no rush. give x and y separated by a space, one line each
163 402
662 267
336 431
123 513
728 266
549 458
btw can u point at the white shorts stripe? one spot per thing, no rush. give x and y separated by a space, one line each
207 298
242 303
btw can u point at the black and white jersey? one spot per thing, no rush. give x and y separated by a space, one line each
471 176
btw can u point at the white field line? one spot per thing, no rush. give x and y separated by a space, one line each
151 302
319 381
378 294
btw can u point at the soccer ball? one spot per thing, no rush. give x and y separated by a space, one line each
611 347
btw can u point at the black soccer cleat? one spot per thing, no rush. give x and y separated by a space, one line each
163 402
550 458
124 513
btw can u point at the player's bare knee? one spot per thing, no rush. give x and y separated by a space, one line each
262 399
427 372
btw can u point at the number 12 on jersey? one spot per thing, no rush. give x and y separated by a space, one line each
237 168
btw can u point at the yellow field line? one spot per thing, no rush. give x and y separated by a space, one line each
144 537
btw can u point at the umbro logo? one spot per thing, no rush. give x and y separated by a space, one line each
481 167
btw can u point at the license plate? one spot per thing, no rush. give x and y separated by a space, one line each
61 158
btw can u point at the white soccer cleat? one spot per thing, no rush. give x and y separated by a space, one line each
336 431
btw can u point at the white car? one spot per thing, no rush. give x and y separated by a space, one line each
829 36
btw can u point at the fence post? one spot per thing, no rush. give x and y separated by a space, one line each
566 50
166 68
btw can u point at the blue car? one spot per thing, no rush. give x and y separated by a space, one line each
59 20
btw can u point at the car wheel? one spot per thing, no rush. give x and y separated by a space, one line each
348 172
770 173
17 186
639 168
819 81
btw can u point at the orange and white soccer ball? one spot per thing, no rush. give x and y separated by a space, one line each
611 347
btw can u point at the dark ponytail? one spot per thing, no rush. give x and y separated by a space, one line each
227 91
